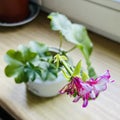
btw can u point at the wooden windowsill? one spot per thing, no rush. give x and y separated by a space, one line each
23 105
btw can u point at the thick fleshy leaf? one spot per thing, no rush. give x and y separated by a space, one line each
20 56
26 54
13 70
17 72
17 61
91 72
13 57
52 72
31 71
51 76
37 47
77 69
84 76
22 77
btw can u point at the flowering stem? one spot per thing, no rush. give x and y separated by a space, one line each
67 67
61 40
90 69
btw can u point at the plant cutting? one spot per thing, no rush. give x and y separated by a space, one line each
81 83
37 63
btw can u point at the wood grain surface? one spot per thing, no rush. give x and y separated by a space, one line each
23 105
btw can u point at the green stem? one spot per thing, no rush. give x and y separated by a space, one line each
67 67
61 40
70 49
90 69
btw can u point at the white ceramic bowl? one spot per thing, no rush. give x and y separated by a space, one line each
47 88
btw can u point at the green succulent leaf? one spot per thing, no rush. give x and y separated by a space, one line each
13 70
37 47
50 73
84 76
21 77
17 61
32 71
92 72
21 56
13 57
51 76
77 69
26 54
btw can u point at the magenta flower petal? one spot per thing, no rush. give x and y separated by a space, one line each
64 89
86 90
76 99
93 95
99 84
85 102
78 89
105 76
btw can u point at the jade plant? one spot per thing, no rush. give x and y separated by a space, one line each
30 62
37 60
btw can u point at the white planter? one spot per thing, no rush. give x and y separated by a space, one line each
47 88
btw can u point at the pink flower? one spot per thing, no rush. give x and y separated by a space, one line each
78 89
86 90
99 84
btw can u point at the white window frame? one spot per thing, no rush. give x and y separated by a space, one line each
100 16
